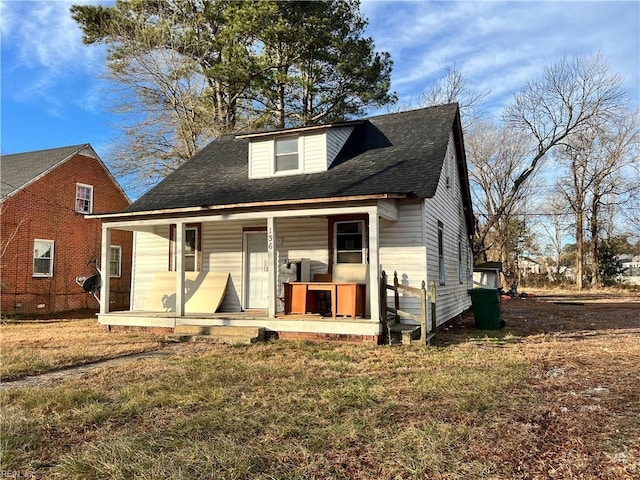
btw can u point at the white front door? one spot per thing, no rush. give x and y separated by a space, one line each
256 271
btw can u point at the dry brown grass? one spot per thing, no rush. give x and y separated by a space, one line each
29 348
555 395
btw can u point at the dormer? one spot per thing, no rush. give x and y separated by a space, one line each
296 151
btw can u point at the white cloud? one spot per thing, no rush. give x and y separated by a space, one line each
43 51
501 44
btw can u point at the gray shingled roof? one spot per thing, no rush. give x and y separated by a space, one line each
399 153
18 169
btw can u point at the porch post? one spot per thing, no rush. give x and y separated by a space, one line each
179 267
273 266
374 264
104 268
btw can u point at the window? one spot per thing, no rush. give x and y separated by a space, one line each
286 156
43 258
350 242
460 273
115 261
84 198
441 272
191 248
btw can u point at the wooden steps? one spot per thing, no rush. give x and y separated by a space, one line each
216 334
402 333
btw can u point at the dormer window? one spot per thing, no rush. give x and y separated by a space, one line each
286 155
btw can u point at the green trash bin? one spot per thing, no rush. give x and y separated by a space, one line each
486 308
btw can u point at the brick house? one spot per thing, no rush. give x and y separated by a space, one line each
46 241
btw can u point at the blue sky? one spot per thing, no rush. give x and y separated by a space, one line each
52 93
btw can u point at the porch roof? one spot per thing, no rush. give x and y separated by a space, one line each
399 154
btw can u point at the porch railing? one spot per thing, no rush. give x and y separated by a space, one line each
392 314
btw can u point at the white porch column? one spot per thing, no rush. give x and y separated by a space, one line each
105 254
179 268
374 265
273 266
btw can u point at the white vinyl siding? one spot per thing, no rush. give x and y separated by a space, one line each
336 138
151 255
445 206
260 158
222 252
402 250
316 152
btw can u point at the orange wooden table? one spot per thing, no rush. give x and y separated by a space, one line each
347 299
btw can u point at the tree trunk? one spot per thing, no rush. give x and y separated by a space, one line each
579 249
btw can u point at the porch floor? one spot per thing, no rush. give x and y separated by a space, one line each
246 315
291 323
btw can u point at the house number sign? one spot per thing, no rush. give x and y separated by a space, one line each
270 238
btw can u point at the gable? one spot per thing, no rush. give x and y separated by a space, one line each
21 170
394 155
316 150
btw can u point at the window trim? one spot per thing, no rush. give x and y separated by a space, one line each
33 266
274 156
365 240
111 250
90 187
442 275
198 250
460 263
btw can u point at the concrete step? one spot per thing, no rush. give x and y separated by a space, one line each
216 334
407 334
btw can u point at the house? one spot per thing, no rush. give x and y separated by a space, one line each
528 266
631 272
46 241
330 206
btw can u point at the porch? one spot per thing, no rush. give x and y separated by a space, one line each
347 242
280 326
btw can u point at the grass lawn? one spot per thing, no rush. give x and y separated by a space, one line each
555 395
28 348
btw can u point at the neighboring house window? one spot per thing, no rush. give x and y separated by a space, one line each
115 261
42 258
286 154
350 242
191 248
84 198
460 272
441 271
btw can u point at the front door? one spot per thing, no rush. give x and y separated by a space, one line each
256 271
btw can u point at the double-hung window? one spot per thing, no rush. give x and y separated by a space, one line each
84 198
42 258
286 155
350 242
115 261
460 272
191 248
441 266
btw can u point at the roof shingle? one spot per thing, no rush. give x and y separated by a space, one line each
398 153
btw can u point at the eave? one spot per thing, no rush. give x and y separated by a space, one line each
200 210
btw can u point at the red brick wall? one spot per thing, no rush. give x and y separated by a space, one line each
46 210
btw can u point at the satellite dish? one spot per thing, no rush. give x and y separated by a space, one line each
93 283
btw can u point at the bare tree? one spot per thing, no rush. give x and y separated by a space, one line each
567 98
599 163
495 154
556 229
176 121
454 87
